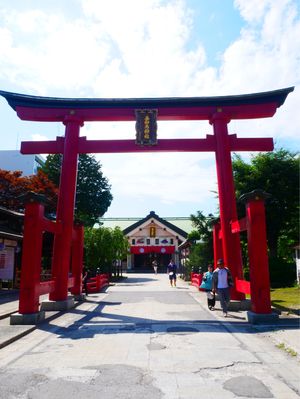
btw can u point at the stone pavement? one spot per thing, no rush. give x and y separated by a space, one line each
142 338
9 304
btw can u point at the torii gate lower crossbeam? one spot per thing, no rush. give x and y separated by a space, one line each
217 110
126 146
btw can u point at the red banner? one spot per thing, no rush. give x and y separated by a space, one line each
140 249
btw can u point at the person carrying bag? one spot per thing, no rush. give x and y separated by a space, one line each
206 284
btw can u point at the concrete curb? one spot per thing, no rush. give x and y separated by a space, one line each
15 337
16 331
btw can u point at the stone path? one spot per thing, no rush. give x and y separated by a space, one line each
144 339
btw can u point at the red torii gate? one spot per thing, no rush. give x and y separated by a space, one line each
219 111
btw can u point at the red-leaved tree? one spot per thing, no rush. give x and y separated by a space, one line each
13 185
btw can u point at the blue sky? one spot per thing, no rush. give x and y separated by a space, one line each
216 23
152 48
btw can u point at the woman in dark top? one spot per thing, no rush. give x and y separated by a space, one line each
172 268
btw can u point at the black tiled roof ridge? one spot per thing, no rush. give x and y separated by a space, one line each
18 99
153 215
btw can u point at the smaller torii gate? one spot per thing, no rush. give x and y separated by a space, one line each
219 111
255 225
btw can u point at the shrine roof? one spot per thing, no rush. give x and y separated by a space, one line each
152 215
240 106
182 222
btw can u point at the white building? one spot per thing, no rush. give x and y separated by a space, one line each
153 238
14 160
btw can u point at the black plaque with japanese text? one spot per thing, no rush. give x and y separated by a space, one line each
146 126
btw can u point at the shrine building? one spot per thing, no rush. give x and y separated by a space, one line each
153 238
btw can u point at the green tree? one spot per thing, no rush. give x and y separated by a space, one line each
103 246
201 252
93 196
198 259
277 173
193 236
120 244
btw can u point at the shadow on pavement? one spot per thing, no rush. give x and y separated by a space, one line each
136 280
7 296
97 322
276 303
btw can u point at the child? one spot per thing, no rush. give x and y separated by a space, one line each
207 286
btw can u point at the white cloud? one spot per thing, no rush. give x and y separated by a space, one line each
150 57
165 177
267 57
47 52
39 137
253 11
30 21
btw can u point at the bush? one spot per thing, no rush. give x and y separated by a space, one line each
199 258
282 272
246 272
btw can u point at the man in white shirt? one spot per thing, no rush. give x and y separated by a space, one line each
222 281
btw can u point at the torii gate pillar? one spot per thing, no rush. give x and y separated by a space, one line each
65 208
218 250
230 242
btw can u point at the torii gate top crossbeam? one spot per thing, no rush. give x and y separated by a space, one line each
50 109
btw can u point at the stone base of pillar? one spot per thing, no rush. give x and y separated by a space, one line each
259 318
27 319
239 305
49 306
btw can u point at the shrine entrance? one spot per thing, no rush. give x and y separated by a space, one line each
147 112
143 262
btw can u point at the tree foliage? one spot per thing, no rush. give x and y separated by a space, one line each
201 252
203 225
277 173
198 258
93 196
193 236
13 185
103 246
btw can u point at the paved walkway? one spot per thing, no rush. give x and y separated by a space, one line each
143 339
8 302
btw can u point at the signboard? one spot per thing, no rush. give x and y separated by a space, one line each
166 249
152 231
146 126
7 257
10 243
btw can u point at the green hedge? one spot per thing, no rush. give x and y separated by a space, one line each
282 272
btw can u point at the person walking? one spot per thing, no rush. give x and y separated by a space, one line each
172 269
206 285
155 266
85 277
221 283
